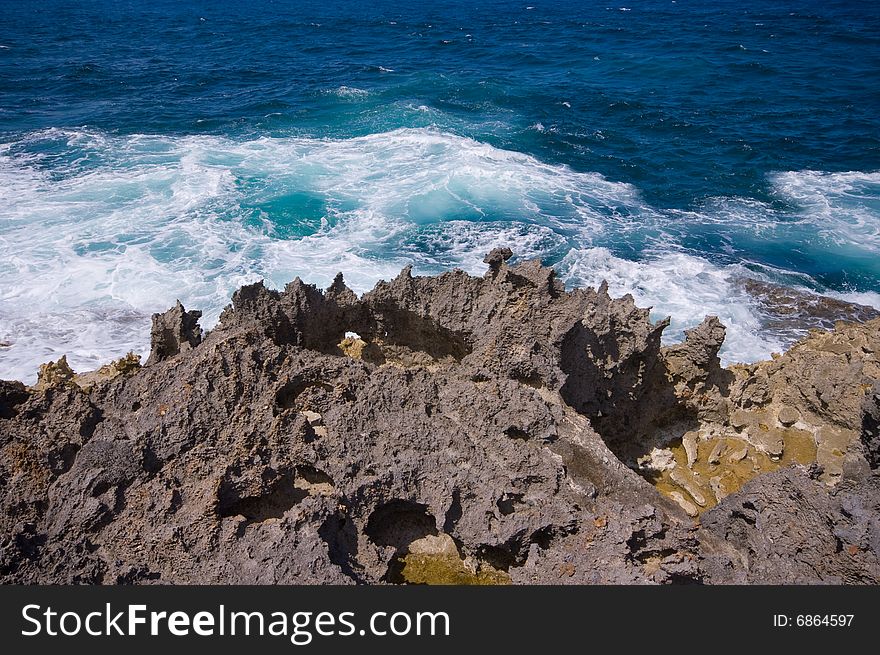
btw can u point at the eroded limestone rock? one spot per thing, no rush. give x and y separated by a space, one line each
173 332
871 425
474 430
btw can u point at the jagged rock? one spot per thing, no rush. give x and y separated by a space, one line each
818 384
871 425
788 529
173 332
479 420
695 369
12 394
54 373
697 357
122 366
495 258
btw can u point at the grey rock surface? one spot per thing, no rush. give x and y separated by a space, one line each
174 331
486 410
871 426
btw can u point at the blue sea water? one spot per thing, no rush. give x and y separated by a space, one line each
158 150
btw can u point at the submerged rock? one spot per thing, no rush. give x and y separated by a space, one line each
786 309
441 429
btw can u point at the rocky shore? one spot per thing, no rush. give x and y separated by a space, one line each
445 429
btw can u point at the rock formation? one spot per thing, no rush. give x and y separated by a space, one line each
445 429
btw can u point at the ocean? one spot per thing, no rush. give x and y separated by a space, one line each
163 150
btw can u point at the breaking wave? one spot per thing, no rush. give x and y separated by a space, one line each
97 231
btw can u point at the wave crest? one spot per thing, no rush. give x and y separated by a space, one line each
97 231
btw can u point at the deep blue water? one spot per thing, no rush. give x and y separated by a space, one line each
150 151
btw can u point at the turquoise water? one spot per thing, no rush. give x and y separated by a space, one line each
164 150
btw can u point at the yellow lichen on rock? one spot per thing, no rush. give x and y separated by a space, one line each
435 560
123 366
54 373
800 407
723 464
448 570
353 347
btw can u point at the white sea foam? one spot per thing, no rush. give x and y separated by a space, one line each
88 251
683 287
89 248
463 244
349 92
869 298
843 207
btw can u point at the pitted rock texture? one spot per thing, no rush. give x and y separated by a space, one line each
797 509
871 426
469 429
174 331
